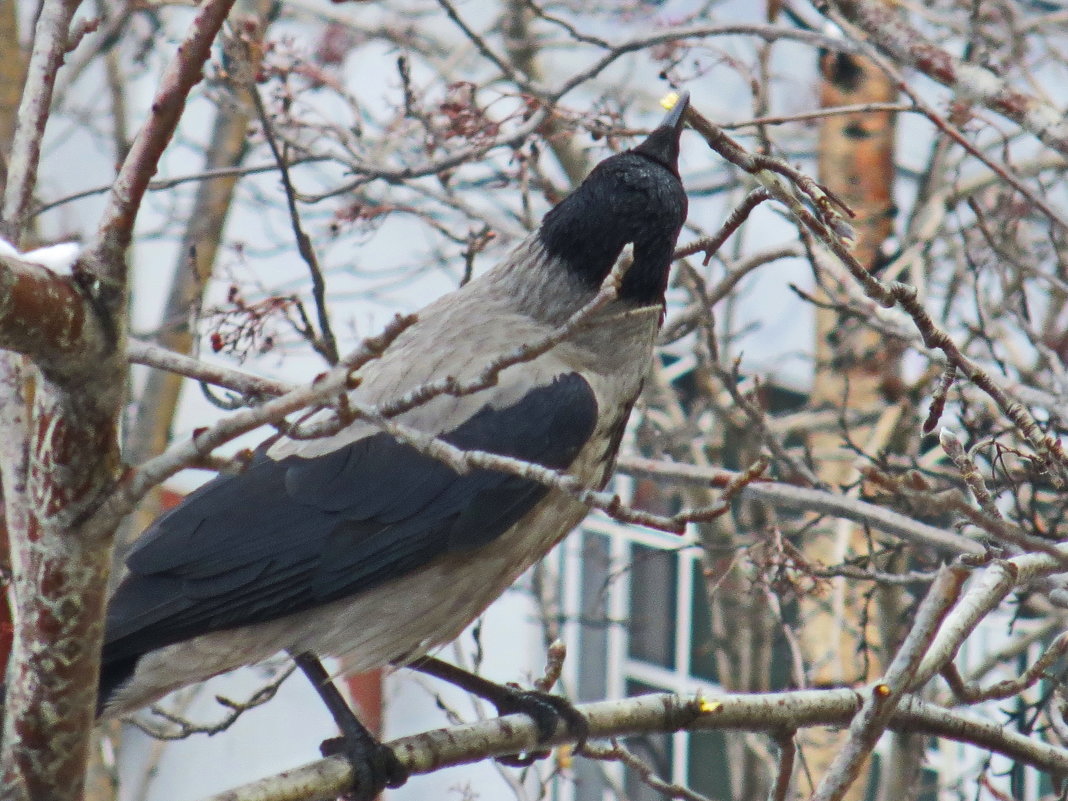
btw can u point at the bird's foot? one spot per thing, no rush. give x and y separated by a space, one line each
547 711
374 765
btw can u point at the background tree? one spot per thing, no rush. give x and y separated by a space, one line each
309 169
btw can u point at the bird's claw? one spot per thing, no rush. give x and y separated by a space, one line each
547 711
374 766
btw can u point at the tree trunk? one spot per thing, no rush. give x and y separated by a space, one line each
838 638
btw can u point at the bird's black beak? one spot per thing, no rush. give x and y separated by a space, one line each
662 145
676 118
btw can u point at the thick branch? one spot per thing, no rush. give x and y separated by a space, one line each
760 712
983 593
43 316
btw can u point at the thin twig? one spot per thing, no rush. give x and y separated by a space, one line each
818 114
163 184
709 245
804 499
248 384
972 693
645 772
181 728
325 343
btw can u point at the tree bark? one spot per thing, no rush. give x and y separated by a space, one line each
856 162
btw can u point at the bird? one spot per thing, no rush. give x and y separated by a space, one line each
358 545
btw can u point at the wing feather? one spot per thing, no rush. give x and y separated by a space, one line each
290 534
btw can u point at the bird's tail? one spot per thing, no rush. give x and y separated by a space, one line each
112 676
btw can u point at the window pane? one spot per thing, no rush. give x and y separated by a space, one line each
709 767
652 605
929 785
702 651
593 621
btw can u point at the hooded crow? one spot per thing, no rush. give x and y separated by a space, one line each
357 545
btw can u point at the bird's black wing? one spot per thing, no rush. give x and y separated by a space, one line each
292 534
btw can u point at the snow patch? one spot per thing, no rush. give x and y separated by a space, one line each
58 258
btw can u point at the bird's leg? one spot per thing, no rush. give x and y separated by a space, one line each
374 765
545 709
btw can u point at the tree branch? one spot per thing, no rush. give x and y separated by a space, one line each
983 593
786 184
45 317
663 712
106 254
803 499
878 709
888 29
49 49
150 355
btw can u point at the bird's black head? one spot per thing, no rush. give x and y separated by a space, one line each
633 197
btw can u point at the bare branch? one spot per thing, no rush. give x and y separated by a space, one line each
709 245
969 472
179 728
832 231
874 716
325 343
889 30
984 592
972 693
768 33
164 184
763 712
248 384
620 753
105 255
50 46
787 756
182 454
803 499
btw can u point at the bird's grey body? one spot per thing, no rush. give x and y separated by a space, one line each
403 619
357 545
